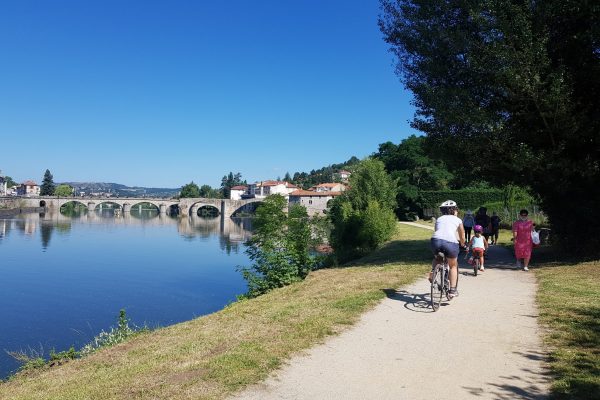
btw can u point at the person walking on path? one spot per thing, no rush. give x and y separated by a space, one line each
481 218
495 222
468 223
522 239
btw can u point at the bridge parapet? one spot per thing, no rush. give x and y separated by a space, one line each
226 207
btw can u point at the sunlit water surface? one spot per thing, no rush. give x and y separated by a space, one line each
64 279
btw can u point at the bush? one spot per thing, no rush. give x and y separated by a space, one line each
115 336
279 248
465 198
363 217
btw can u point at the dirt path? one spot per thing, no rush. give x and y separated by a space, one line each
483 345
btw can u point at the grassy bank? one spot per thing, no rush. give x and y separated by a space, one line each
213 356
568 298
569 302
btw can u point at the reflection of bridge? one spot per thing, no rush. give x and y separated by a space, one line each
231 230
187 206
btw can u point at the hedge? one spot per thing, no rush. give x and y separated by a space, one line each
465 198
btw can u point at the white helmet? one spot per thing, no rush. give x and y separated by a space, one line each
448 203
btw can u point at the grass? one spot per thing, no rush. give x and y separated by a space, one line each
218 354
569 302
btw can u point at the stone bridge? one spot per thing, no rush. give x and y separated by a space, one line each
187 206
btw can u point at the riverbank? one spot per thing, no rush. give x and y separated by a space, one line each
216 355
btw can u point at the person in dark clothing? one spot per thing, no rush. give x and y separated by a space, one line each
495 221
481 218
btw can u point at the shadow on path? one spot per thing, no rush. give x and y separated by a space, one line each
412 301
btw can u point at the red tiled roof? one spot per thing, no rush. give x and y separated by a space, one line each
344 172
29 183
275 183
327 185
239 187
304 193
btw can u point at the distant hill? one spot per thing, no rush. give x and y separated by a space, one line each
118 190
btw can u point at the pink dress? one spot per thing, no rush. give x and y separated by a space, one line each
523 244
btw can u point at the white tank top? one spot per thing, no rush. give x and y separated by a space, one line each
446 227
478 242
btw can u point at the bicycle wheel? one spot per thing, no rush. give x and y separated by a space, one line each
475 266
437 287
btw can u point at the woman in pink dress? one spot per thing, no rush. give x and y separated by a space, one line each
522 238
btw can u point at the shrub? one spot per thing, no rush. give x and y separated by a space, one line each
363 217
279 248
115 336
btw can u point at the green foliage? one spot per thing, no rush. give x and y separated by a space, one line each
29 360
323 175
10 182
279 247
63 190
59 357
413 169
229 181
115 336
47 188
191 190
465 198
363 217
208 192
507 91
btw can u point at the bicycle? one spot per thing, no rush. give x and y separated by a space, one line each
474 261
440 281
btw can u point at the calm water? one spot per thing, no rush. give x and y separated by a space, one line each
64 279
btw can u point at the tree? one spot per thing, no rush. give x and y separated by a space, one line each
10 182
208 192
190 190
47 188
63 190
363 217
229 181
409 164
287 177
279 247
511 82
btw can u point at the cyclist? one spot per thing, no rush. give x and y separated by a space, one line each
449 232
479 245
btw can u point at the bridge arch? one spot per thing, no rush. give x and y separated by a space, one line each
139 203
195 208
249 207
72 207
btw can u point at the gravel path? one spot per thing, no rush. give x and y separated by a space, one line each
483 345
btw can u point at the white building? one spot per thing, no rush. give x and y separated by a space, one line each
328 187
344 175
236 192
315 202
28 188
263 189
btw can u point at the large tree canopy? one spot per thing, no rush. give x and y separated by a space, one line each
517 83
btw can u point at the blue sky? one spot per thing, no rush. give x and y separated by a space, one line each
160 93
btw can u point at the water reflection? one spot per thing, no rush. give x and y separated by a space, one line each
232 232
65 278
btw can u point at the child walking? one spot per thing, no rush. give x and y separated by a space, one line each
478 245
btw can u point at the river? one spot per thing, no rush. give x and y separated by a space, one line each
63 279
